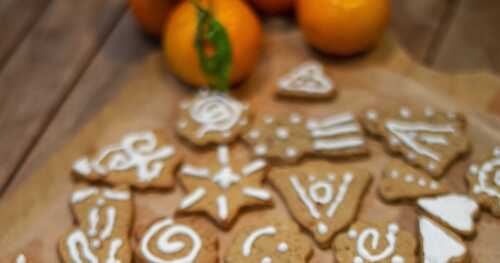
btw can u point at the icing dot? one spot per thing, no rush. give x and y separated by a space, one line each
393 228
322 228
477 189
266 260
96 243
282 247
244 122
372 115
352 234
331 177
431 166
254 134
421 182
282 133
291 152
394 174
357 260
393 141
260 149
397 259
311 178
268 119
409 178
496 151
226 134
429 111
100 202
488 167
434 185
348 177
411 156
295 118
182 124
311 124
405 112
497 178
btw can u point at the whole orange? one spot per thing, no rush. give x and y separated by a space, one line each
274 6
343 27
151 14
241 24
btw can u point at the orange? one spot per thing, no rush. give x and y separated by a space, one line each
274 6
151 14
242 26
342 27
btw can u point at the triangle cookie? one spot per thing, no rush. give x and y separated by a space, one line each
455 211
440 245
306 81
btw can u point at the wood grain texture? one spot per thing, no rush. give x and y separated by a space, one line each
17 18
101 82
149 98
45 68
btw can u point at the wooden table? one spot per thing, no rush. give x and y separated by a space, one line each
61 61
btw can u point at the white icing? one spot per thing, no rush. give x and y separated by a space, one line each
496 151
437 245
291 152
93 218
116 195
394 174
256 193
330 121
252 238
282 133
194 171
431 166
338 144
372 115
307 78
268 119
331 177
282 247
434 185
182 124
485 184
322 228
222 207
253 167
82 194
266 260
422 182
352 234
225 177
167 230
397 259
409 178
339 198
295 118
261 149
21 259
434 139
321 192
215 112
410 133
136 150
110 223
336 130
297 186
374 235
429 111
405 112
455 210
193 198
254 134
223 155
115 246
79 249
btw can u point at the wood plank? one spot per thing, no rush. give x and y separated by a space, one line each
17 18
472 42
103 79
416 23
45 68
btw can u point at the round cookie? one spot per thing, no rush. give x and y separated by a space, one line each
275 240
212 117
484 181
375 242
143 159
169 240
307 81
221 183
428 139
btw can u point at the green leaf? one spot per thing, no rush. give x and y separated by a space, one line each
215 60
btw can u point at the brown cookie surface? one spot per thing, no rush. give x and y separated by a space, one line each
177 240
104 219
289 137
221 183
143 159
456 211
322 197
276 240
212 117
403 182
438 244
375 242
428 139
307 81
484 181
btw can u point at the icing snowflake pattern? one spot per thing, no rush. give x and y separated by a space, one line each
368 254
222 180
307 79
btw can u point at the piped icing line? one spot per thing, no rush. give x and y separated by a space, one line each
373 234
252 238
330 121
166 229
256 193
190 170
483 172
116 195
82 194
336 144
308 78
222 207
21 258
193 198
76 242
335 130
223 155
114 248
339 198
253 167
297 186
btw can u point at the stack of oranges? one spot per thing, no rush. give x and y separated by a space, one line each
335 27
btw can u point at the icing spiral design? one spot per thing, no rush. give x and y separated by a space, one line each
215 113
161 234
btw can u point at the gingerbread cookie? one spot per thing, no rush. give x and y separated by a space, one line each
104 218
370 242
401 181
275 240
484 182
455 211
322 197
181 240
439 245
428 139
212 117
223 183
140 159
288 138
306 81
